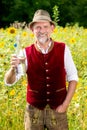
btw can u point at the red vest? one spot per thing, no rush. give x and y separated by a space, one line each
46 76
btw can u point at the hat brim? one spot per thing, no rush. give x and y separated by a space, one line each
32 23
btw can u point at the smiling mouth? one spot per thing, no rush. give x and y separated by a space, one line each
44 35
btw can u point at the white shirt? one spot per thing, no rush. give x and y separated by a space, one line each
71 71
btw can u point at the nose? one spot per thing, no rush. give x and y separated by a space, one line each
42 30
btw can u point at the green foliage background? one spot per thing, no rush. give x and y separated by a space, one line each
70 11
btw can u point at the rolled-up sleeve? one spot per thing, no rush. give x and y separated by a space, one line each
18 75
19 70
71 71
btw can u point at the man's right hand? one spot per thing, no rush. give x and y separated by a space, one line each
15 61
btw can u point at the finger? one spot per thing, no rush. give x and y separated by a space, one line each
22 60
13 55
13 65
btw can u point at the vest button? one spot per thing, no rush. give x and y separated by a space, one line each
46 63
48 92
46 70
47 85
47 77
48 100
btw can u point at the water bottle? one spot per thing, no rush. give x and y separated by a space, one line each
19 53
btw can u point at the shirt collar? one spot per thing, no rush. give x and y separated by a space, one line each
42 50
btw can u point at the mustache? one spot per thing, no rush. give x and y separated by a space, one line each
42 34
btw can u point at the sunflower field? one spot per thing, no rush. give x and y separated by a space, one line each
13 98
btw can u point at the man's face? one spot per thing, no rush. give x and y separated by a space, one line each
42 31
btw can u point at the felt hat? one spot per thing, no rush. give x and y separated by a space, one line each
41 16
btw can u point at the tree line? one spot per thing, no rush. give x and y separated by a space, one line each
62 11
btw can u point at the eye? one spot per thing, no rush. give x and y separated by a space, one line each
37 27
45 27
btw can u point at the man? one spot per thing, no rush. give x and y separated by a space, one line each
48 65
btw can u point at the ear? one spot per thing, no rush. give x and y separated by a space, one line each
31 29
53 27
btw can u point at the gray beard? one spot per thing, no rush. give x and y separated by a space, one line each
43 39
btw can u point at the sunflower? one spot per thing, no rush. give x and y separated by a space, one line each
12 30
24 34
2 44
72 40
12 92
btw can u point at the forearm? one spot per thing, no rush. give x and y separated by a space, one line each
10 76
70 93
71 90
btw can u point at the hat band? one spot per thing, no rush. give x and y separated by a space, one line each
41 17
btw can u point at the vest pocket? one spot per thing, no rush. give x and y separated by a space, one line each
33 91
58 90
